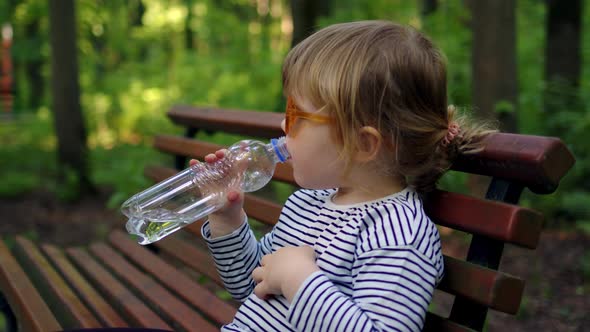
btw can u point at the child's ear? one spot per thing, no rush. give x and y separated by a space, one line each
370 144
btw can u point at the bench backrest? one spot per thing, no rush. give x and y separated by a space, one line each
513 162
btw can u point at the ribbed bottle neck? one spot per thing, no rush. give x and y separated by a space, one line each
278 146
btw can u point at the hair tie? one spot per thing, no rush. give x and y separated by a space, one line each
452 132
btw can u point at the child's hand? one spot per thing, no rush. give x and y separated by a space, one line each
284 271
231 216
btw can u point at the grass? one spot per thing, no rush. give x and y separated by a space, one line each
28 145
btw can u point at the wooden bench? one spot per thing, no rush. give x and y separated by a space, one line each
174 284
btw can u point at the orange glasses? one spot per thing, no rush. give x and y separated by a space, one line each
293 113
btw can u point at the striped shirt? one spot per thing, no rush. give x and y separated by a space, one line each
379 264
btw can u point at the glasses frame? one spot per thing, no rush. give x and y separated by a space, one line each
292 113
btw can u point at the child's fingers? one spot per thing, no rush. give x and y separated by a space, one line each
210 158
261 291
220 153
193 162
257 274
213 157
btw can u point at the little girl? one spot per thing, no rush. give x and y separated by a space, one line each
369 131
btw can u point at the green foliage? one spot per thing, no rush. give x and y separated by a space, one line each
121 168
448 27
26 154
454 181
136 61
17 182
67 189
223 294
503 107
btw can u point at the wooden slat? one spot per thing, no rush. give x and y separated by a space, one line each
494 289
122 299
537 162
88 294
28 306
435 323
191 256
71 312
195 228
501 221
158 173
250 123
184 287
262 209
159 298
258 208
199 149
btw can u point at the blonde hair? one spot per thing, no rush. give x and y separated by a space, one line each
391 77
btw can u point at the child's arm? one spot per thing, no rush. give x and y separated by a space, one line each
231 242
283 272
236 255
392 288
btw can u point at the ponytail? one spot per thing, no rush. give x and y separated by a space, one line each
461 135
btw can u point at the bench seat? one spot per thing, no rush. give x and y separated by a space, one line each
173 285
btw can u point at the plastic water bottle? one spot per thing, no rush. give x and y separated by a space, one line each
201 189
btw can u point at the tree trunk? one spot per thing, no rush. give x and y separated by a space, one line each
265 20
494 74
65 90
10 95
562 58
189 34
428 7
305 14
136 10
33 66
495 84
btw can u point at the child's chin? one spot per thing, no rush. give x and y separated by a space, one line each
310 180
307 184
302 182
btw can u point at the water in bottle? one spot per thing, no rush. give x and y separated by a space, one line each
201 189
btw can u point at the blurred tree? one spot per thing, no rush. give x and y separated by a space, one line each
265 20
189 39
7 9
428 7
493 63
34 64
98 42
562 59
305 14
68 119
493 68
136 10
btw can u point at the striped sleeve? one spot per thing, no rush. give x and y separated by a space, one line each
236 255
392 289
